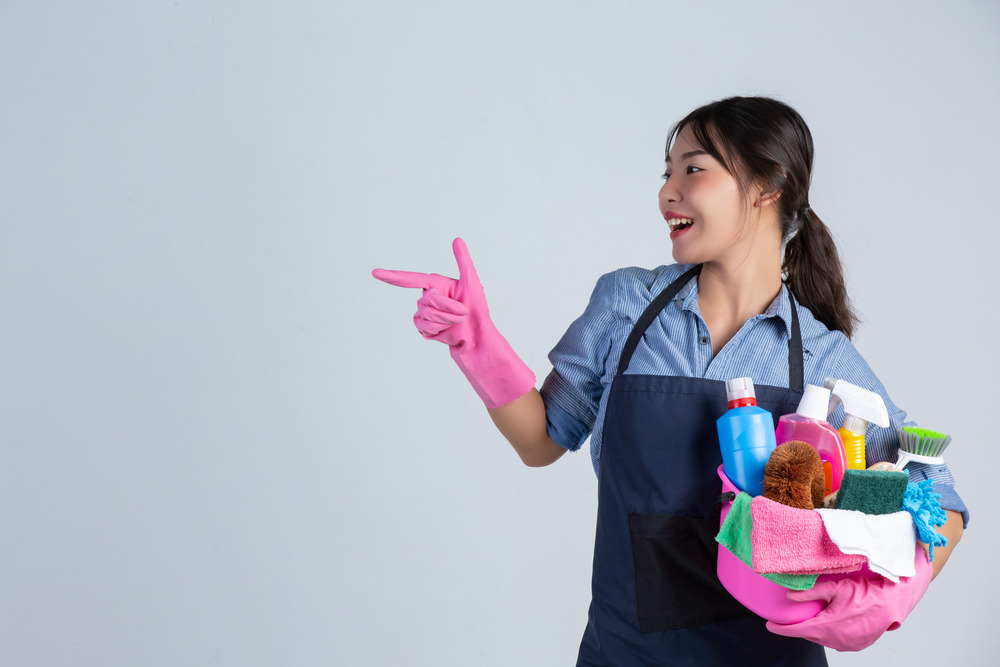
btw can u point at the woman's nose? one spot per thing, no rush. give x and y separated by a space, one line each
669 192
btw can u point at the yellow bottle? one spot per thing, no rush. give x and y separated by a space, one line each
854 447
860 407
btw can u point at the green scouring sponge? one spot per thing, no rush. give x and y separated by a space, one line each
872 491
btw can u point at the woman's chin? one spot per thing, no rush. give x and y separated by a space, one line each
682 256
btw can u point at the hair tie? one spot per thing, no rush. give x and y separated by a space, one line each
805 209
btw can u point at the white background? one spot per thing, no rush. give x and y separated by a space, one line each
223 443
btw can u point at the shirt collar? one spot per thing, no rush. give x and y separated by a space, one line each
781 306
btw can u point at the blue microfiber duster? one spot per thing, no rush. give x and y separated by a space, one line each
924 506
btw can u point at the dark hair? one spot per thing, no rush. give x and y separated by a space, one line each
763 142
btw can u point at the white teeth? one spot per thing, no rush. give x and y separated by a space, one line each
677 223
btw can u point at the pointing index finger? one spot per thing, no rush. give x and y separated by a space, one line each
411 279
402 278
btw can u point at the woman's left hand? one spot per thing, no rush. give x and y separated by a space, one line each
858 610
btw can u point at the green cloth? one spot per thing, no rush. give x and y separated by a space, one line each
872 491
735 535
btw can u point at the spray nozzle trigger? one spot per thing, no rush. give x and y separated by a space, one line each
857 402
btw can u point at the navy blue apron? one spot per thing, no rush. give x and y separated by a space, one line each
656 597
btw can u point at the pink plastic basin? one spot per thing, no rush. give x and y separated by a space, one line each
764 598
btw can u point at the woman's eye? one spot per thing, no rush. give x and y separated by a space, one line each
690 169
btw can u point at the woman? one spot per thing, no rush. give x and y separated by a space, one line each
642 373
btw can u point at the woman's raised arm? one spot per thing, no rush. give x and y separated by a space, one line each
523 423
454 312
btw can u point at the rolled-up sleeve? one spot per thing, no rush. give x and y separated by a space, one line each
572 391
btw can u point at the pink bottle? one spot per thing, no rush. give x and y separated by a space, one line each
808 424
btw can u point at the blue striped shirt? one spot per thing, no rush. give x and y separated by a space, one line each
678 343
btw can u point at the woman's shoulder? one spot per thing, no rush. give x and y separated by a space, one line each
640 281
820 341
625 293
814 328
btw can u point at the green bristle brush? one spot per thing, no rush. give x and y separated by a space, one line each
921 445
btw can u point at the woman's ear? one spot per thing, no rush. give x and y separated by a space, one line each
768 190
766 197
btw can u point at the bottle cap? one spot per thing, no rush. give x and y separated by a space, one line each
740 392
815 402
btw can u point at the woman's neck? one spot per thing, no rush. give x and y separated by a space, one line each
744 290
728 296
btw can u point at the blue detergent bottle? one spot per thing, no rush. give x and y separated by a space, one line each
746 437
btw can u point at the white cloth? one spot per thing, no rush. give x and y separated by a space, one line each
887 540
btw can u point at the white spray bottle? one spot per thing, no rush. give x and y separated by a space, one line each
860 407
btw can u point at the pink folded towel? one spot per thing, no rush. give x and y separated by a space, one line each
794 541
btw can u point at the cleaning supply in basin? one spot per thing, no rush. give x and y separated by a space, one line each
735 535
746 437
793 541
886 540
793 476
860 407
921 445
925 507
872 491
808 424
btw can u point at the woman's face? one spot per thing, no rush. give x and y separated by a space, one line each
703 206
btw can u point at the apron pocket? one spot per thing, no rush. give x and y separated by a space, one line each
676 585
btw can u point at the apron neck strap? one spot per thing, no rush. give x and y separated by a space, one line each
796 372
796 380
651 313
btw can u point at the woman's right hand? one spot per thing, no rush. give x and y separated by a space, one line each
444 309
454 311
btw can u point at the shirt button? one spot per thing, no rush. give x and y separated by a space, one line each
703 340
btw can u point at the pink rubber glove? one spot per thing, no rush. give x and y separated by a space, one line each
858 610
454 312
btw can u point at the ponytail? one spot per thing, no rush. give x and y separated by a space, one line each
813 273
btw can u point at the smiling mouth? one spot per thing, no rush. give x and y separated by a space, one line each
679 223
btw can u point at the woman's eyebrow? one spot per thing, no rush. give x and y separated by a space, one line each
690 154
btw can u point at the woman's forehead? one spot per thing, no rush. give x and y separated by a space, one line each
686 145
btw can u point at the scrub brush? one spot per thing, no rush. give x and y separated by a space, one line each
921 445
